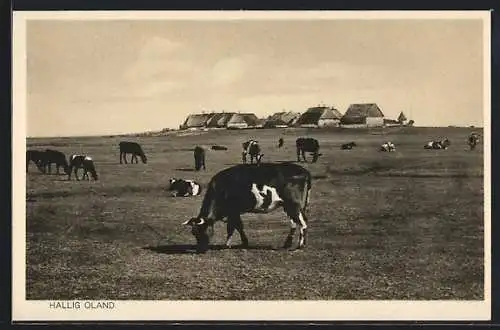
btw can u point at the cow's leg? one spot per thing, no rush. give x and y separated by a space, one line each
204 168
291 234
125 158
298 155
303 229
121 155
304 156
230 231
238 225
298 218
76 174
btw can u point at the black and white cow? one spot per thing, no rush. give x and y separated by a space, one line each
184 188
84 162
131 148
252 148
388 147
35 156
49 157
348 146
199 158
473 140
443 144
250 188
310 145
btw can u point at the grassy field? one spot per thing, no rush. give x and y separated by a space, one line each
402 225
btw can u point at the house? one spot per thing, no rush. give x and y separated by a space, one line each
391 122
282 119
196 121
243 120
219 119
363 115
319 116
402 118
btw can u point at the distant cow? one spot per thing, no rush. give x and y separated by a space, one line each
35 156
280 142
131 148
184 188
50 157
388 147
252 148
443 144
199 158
84 162
348 146
473 140
217 147
307 145
248 188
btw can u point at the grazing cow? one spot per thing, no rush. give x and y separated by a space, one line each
473 140
388 147
443 144
50 157
280 142
184 188
250 188
307 145
252 148
84 162
217 147
134 149
199 158
348 146
35 156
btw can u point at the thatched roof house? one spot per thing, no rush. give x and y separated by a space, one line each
320 116
364 114
402 118
219 119
243 120
196 121
282 119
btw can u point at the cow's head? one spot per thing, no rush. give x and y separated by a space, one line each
199 229
144 159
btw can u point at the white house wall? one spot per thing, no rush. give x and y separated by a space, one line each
374 121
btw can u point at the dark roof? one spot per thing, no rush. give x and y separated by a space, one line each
402 117
313 115
363 110
196 120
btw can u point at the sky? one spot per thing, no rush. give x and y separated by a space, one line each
112 77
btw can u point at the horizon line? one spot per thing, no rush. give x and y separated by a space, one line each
178 130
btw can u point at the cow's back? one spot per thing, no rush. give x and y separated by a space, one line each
240 177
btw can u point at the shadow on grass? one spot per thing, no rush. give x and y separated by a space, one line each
115 191
286 161
191 249
185 169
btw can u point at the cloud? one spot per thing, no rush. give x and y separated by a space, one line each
230 70
157 57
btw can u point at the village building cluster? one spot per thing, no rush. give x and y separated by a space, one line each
356 115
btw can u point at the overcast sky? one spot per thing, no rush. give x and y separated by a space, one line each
108 77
